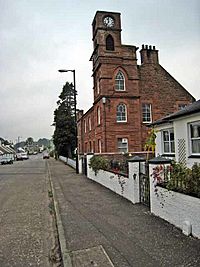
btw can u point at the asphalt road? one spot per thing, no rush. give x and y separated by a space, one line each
25 221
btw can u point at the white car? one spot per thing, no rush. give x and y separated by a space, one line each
22 156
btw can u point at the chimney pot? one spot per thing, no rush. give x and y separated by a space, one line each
146 46
154 48
150 47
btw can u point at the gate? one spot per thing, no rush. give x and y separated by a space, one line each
144 183
84 165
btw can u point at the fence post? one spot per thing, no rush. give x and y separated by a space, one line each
153 163
134 175
89 171
80 165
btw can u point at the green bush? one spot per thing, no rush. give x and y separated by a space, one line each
185 180
98 163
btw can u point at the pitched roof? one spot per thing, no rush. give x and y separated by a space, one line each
188 110
6 150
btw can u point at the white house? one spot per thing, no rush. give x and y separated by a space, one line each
178 135
7 154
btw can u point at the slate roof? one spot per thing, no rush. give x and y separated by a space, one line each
188 110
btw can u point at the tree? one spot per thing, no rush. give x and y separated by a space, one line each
150 143
64 136
29 141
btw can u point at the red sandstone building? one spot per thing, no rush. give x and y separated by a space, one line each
127 96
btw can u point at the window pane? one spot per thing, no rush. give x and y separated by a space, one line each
166 136
196 146
122 147
195 131
146 112
171 136
166 147
119 81
121 112
172 147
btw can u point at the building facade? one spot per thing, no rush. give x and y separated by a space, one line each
178 135
127 95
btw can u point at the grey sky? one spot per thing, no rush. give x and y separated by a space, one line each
39 37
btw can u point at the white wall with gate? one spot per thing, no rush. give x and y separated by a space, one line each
181 210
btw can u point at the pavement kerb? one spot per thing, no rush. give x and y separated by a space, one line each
61 236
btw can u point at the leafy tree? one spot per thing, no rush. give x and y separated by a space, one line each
29 141
64 136
150 143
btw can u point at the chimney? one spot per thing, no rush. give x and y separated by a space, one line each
149 55
80 114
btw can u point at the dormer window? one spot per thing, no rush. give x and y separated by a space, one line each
119 82
110 43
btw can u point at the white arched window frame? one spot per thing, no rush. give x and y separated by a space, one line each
121 113
89 124
85 126
98 116
120 82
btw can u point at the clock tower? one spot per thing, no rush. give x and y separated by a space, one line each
109 55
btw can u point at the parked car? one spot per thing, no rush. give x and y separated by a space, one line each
22 156
6 160
45 155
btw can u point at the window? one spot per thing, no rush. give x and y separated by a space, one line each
119 82
110 43
98 89
146 113
89 124
90 146
122 145
168 141
85 127
99 145
121 113
85 148
98 116
195 137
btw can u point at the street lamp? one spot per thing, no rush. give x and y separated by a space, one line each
75 118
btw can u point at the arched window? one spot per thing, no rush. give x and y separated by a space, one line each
98 116
121 113
110 43
119 82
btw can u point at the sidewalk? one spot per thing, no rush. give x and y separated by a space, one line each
102 229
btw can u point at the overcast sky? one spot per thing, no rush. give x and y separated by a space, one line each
38 37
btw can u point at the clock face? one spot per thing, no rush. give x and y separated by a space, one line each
109 22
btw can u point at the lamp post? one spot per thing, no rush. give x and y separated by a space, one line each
75 118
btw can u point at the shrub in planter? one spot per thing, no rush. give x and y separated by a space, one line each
98 163
185 180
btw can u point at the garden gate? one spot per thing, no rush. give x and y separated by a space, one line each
144 183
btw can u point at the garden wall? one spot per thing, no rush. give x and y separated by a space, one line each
124 186
68 161
178 209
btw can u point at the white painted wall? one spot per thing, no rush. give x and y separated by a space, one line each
69 161
128 187
181 131
178 209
